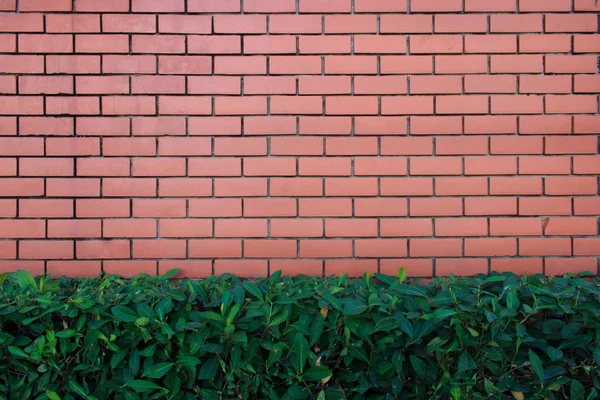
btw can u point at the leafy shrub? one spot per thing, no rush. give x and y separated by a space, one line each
501 337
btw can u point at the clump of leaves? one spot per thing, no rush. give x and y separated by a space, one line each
487 337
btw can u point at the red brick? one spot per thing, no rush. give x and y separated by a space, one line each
187 268
8 5
102 6
72 147
270 44
537 165
486 165
435 247
515 226
184 65
517 104
162 166
223 44
545 124
8 126
296 187
586 124
45 249
406 227
195 24
286 65
74 269
528 63
587 84
184 105
461 266
350 23
381 248
427 207
463 186
23 64
215 207
10 22
462 104
240 228
325 248
129 147
586 165
515 185
215 167
341 65
586 43
138 105
294 23
351 268
406 186
404 105
270 248
566 64
545 5
97 166
101 43
571 185
585 246
571 23
212 126
157 6
73 187
287 146
403 23
325 207
210 6
325 126
240 146
158 126
516 145
586 5
544 246
270 125
379 44
240 24
436 44
296 228
461 227
463 64
184 187
125 187
129 64
213 84
490 206
267 207
8 208
71 228
350 186
571 104
380 125
100 208
570 145
296 105
158 44
491 247
8 251
544 206
571 226
102 84
270 166
316 6
298 267
344 105
46 167
45 43
435 166
159 248
406 146
47 126
381 207
331 44
239 105
544 43
545 84
516 23
559 266
380 166
21 105
102 249
446 23
435 5
22 228
240 187
216 248
45 208
117 23
269 85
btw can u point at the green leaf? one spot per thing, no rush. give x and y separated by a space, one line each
17 352
75 388
67 333
275 353
279 318
418 365
489 387
335 303
209 369
316 374
440 314
301 350
354 307
512 301
118 357
124 314
401 275
252 289
188 361
163 307
466 362
554 353
143 386
536 366
406 326
142 321
52 395
171 273
157 371
577 390
25 280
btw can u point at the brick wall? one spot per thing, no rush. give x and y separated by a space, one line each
313 136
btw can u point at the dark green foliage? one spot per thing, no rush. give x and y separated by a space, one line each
498 337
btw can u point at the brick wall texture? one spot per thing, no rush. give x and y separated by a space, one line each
309 136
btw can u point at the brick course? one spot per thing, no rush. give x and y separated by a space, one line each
312 136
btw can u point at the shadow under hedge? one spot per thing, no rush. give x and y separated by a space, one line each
499 336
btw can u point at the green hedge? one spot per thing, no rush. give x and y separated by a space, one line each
500 337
